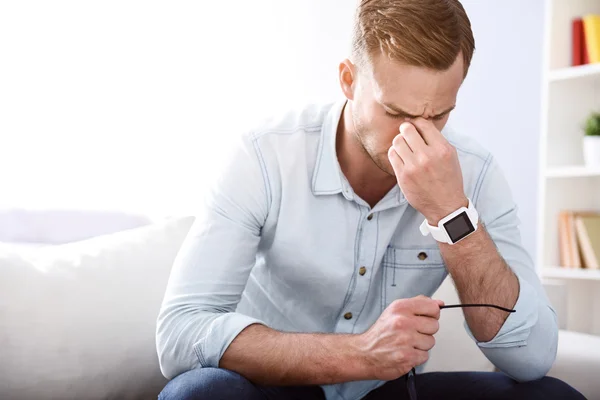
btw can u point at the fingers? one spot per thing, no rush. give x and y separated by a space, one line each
426 325
402 149
420 357
428 131
412 137
423 305
395 160
423 342
407 148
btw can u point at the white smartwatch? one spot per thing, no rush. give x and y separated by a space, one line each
454 227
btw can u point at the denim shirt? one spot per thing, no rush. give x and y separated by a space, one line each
284 241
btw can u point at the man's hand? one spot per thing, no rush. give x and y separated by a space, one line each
401 337
427 170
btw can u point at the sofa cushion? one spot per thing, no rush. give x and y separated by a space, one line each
578 362
63 226
78 320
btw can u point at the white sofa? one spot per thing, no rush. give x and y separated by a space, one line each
77 320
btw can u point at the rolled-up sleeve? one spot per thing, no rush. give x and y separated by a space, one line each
525 347
197 320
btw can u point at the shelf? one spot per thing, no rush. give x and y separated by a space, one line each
566 273
574 171
582 71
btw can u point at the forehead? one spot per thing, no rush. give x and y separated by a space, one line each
415 87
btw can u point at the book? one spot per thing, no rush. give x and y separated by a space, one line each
587 226
563 239
591 29
573 243
579 53
568 246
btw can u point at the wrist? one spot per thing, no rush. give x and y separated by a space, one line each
434 218
360 365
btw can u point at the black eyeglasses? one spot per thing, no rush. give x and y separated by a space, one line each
479 305
410 377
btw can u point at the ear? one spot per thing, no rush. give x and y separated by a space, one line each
347 77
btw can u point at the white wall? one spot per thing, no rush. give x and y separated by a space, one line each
129 104
500 101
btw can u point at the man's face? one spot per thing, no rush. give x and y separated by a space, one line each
387 93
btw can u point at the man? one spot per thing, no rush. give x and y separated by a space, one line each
308 274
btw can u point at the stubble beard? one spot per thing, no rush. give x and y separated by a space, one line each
361 135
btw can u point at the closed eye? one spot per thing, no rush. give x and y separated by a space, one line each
400 116
395 116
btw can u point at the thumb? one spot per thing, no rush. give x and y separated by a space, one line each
395 160
440 302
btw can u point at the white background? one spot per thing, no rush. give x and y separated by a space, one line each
130 105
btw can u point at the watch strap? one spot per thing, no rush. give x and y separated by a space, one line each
439 232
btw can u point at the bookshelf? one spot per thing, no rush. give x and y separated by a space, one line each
569 94
572 171
583 71
565 273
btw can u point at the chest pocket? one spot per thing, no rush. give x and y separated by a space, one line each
409 272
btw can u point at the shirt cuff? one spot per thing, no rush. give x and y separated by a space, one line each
219 336
516 328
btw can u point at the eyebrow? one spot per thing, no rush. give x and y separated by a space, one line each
406 114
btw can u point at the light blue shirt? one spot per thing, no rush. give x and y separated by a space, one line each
282 239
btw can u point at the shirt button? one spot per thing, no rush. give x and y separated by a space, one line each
370 217
348 315
422 255
362 270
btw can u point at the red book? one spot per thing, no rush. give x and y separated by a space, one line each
577 42
579 48
584 50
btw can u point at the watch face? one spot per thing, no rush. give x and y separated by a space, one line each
459 227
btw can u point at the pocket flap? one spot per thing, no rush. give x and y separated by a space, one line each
413 257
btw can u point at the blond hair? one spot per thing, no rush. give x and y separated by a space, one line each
422 33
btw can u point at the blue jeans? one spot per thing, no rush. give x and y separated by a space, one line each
222 384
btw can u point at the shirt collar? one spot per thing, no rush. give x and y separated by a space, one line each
327 177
